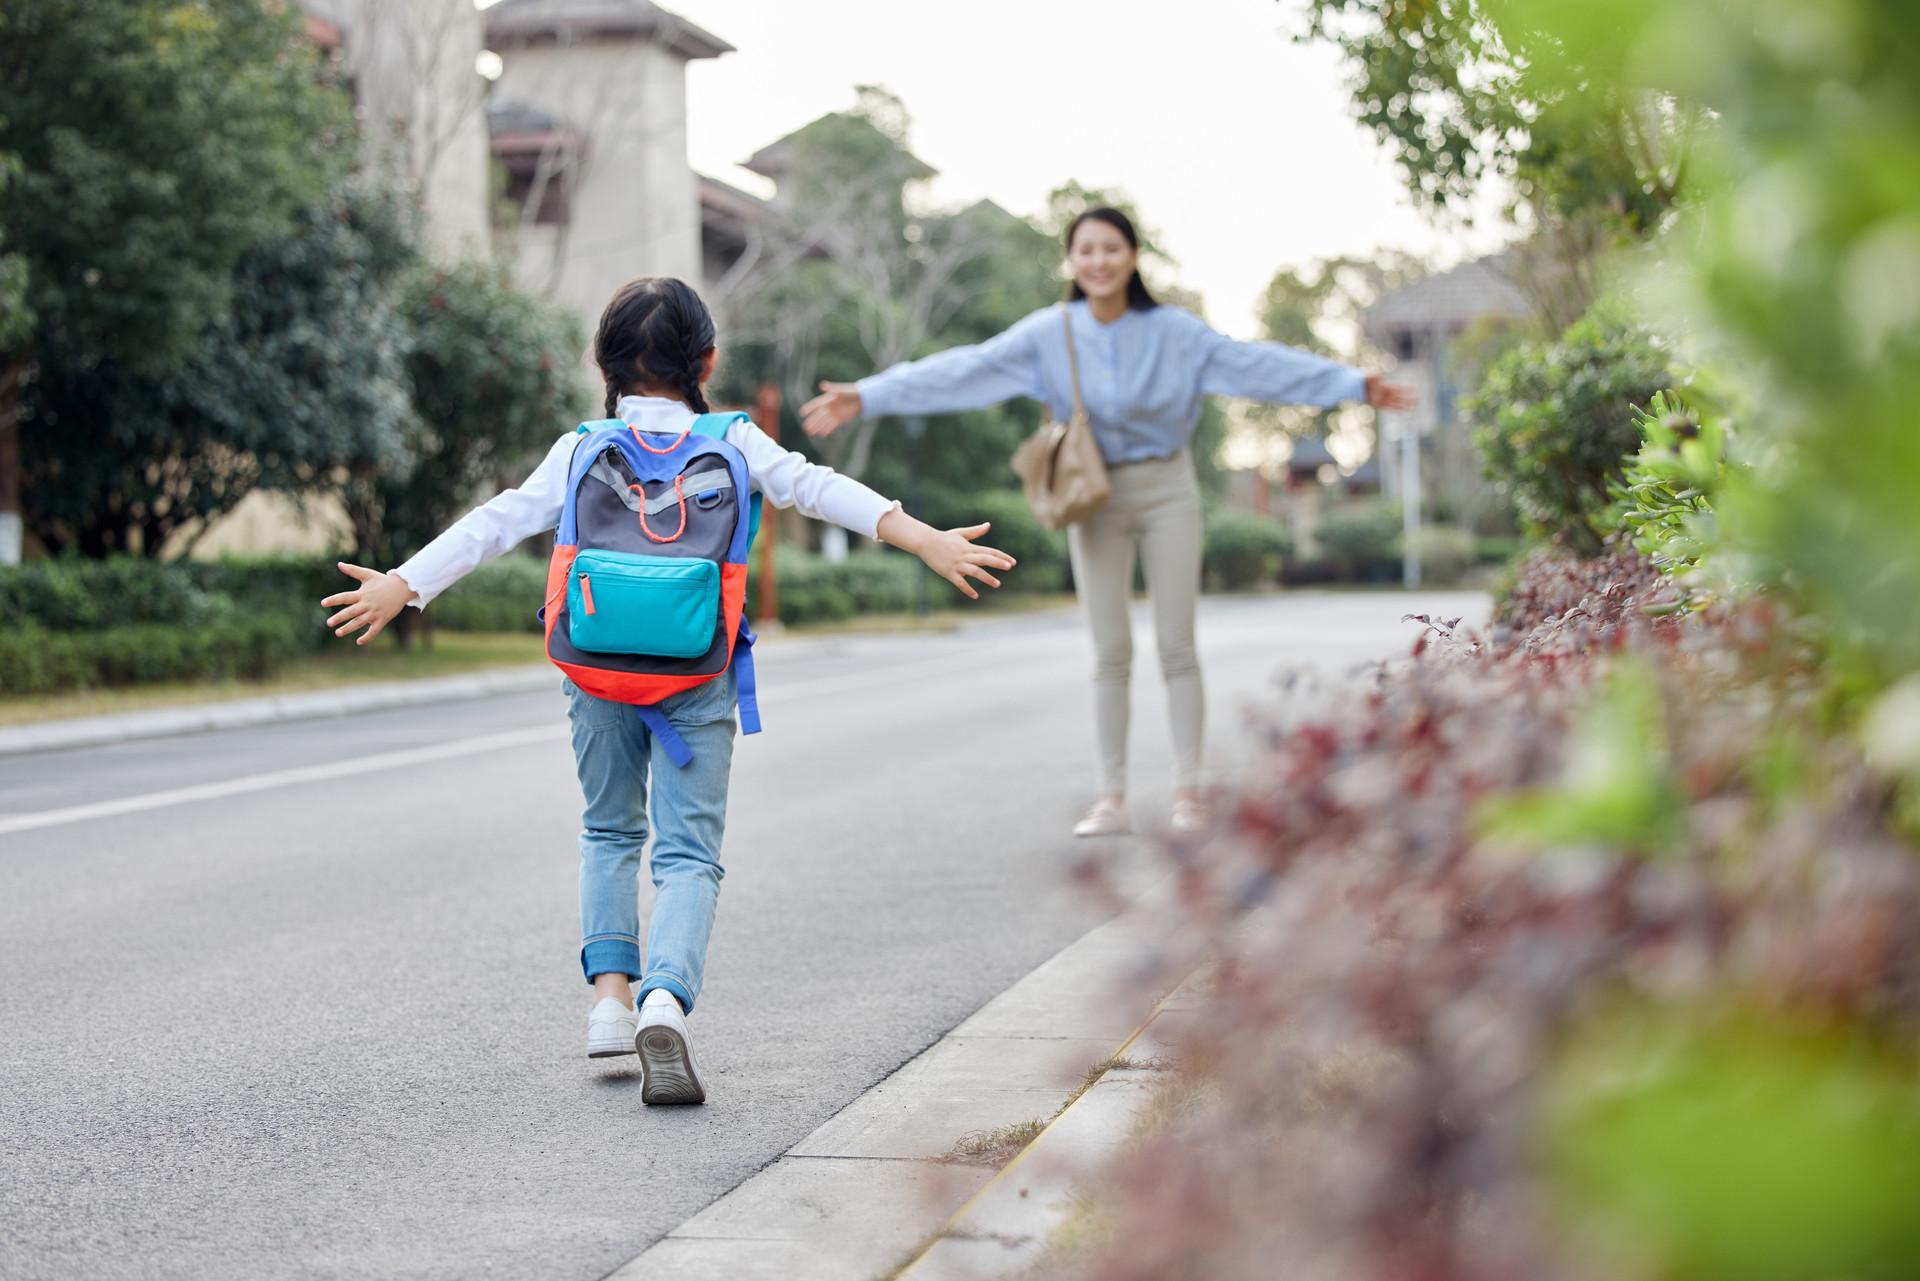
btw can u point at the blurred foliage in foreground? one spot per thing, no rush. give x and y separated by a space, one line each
1587 945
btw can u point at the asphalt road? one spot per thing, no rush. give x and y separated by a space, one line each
304 1000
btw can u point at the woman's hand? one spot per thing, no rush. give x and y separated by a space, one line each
375 603
837 405
1382 394
950 553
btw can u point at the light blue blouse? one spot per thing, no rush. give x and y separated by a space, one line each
1141 377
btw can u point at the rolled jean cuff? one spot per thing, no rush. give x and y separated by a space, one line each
672 983
610 955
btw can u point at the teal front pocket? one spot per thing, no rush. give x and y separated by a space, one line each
623 603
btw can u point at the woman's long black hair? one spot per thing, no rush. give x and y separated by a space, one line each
655 333
1138 299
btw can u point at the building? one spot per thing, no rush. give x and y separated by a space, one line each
588 122
420 101
1422 326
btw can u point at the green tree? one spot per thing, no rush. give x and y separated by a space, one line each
1464 91
492 382
157 143
1555 424
299 376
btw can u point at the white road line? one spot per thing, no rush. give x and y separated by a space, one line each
438 752
278 778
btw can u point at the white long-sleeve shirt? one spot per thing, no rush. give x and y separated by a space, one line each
784 477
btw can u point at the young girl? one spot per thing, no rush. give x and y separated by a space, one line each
655 348
1144 368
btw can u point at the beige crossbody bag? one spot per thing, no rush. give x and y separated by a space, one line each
1060 465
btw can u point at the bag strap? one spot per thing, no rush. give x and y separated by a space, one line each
1073 361
715 425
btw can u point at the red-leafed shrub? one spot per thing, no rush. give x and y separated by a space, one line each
1573 949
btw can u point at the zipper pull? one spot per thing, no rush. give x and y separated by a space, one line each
586 593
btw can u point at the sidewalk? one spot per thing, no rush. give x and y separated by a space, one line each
196 718
877 1191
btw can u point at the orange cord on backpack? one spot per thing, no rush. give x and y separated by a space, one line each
677 493
642 441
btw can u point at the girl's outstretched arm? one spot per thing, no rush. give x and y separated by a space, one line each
497 525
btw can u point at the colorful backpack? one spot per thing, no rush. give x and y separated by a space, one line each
649 568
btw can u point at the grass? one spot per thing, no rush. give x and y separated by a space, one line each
450 654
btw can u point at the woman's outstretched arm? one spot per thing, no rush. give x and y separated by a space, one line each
1283 375
959 378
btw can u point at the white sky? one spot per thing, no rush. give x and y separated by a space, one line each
1236 144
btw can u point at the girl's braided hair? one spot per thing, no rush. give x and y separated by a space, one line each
655 333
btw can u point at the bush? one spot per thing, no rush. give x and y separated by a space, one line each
1537 933
1357 542
34 660
1555 425
1446 551
813 591
71 594
1242 549
501 596
1665 500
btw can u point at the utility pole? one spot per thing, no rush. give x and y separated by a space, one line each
916 427
766 416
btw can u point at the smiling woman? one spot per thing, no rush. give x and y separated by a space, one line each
1140 369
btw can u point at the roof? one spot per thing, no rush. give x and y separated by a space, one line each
774 159
1310 453
539 21
1472 291
725 198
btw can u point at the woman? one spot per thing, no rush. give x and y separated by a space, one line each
1143 368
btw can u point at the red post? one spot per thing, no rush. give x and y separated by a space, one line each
766 415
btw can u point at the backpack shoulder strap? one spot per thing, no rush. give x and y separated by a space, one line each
588 428
715 425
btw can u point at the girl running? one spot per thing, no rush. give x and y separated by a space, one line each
656 350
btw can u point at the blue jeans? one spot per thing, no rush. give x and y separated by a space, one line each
614 752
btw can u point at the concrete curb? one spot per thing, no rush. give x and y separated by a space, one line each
198 718
868 1193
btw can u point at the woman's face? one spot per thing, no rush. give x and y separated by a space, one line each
1101 260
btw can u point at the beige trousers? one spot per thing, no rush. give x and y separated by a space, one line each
1155 507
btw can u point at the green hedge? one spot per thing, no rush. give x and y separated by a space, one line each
34 660
501 596
813 591
1359 542
1243 550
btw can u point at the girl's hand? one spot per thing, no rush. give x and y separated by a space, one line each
837 405
1382 394
375 603
950 553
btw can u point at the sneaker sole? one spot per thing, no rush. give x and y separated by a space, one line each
666 1069
610 1049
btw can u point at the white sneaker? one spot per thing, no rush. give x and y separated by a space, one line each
1190 815
610 1028
1108 817
668 1073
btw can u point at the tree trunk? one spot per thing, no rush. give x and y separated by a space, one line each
13 376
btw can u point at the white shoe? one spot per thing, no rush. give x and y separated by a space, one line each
1108 817
610 1028
1190 814
668 1073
